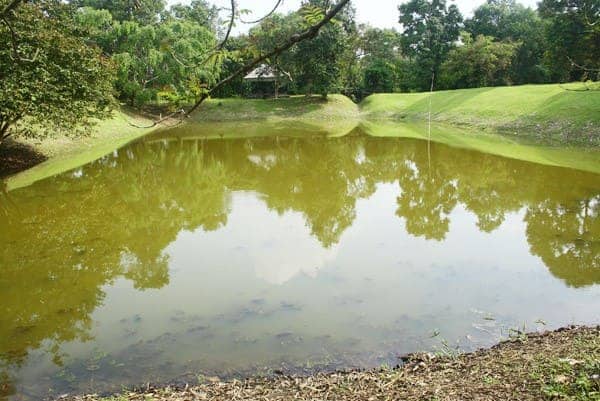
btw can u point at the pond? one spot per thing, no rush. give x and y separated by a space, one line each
186 256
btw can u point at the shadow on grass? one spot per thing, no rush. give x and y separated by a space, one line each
16 157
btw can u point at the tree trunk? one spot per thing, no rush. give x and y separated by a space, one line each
4 125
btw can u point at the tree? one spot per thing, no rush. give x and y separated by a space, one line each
49 77
156 61
430 31
310 32
381 59
142 11
573 38
506 20
198 11
477 63
330 52
327 53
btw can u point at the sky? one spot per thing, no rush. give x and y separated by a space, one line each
379 13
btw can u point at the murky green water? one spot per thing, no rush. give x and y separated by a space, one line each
168 259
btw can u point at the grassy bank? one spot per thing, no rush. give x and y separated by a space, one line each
41 158
563 364
315 109
546 112
539 114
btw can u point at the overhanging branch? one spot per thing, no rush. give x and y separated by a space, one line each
309 33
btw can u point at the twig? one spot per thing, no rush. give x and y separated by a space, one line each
13 37
581 67
155 123
266 16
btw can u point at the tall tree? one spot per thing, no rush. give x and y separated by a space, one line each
49 77
141 11
573 38
381 59
430 31
506 20
155 61
327 53
478 62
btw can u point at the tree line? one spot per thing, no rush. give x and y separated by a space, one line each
503 43
63 62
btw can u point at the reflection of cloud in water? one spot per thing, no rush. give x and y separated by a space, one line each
279 247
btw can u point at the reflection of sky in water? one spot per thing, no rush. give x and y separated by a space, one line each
277 248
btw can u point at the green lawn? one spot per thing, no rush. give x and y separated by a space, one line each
295 107
543 111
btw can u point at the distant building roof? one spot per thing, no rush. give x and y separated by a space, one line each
262 73
266 73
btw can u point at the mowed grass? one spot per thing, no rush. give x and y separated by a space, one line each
563 113
335 107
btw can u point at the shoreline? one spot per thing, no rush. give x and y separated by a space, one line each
564 363
552 117
49 156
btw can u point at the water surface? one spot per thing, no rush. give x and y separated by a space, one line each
190 257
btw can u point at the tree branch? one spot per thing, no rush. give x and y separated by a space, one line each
13 39
582 67
266 16
309 33
229 28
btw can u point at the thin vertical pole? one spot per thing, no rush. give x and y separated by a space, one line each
429 122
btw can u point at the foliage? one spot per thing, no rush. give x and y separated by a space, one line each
381 59
142 11
573 32
430 30
506 20
50 78
159 61
320 65
477 63
317 62
198 11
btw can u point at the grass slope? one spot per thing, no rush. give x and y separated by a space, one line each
65 153
543 111
335 107
559 365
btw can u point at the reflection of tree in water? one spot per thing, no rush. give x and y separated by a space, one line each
427 198
66 237
567 238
